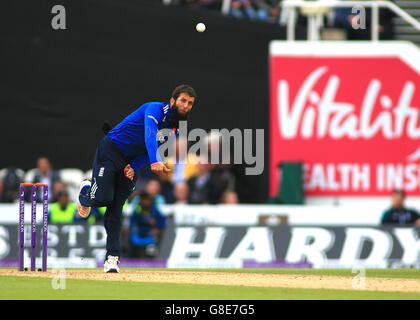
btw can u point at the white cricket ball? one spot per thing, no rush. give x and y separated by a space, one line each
200 27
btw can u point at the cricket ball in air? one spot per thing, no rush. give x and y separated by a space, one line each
200 27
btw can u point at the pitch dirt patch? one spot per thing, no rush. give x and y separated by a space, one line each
232 279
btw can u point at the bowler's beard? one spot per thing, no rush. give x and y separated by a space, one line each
175 117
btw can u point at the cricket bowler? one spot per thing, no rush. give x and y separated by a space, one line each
124 150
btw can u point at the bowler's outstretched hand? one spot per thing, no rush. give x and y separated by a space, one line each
159 168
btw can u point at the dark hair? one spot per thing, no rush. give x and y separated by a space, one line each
399 191
183 88
144 195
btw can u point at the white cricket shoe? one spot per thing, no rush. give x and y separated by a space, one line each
111 265
83 211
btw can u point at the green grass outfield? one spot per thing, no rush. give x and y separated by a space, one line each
18 287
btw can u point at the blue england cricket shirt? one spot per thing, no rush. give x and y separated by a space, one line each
135 136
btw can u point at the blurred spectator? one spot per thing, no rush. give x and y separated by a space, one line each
9 186
184 166
345 18
153 188
267 10
45 174
243 9
386 24
181 192
62 211
146 227
398 213
2 194
223 171
230 197
140 184
167 189
228 174
207 4
57 188
204 187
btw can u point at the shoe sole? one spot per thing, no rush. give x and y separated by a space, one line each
112 271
